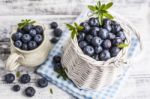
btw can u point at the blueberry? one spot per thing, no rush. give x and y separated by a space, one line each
107 21
16 88
32 32
28 27
103 33
96 41
106 44
111 36
81 36
24 47
26 38
96 57
88 38
57 32
98 49
9 78
54 25
25 78
32 45
93 22
108 27
85 26
121 35
39 29
54 40
21 31
16 36
42 83
114 51
117 41
57 59
116 28
30 91
38 38
18 43
104 55
57 67
82 44
94 31
88 50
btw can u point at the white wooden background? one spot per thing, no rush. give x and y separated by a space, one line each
65 11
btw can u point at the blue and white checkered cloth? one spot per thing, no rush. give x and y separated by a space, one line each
108 92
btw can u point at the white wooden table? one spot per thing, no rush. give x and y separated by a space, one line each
65 11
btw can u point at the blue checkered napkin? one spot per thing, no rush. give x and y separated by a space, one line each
108 92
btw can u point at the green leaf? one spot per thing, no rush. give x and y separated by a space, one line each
102 6
18 74
73 34
122 45
51 90
107 15
70 27
100 19
25 22
108 6
92 8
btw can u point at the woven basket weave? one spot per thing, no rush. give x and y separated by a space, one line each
86 72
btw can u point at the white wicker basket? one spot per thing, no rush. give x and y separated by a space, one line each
86 72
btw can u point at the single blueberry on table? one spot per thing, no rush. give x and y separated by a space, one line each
80 36
88 38
32 45
104 55
114 51
106 44
121 34
38 38
26 38
54 40
25 78
57 32
39 29
103 33
9 78
96 41
30 91
57 59
88 50
16 88
82 44
32 32
98 49
54 25
117 41
16 36
28 27
42 83
24 47
86 27
111 36
94 31
93 22
18 43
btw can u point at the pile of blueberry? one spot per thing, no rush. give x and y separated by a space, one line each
58 67
101 42
29 37
24 79
57 32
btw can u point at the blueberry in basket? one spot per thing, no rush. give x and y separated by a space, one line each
100 37
28 36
